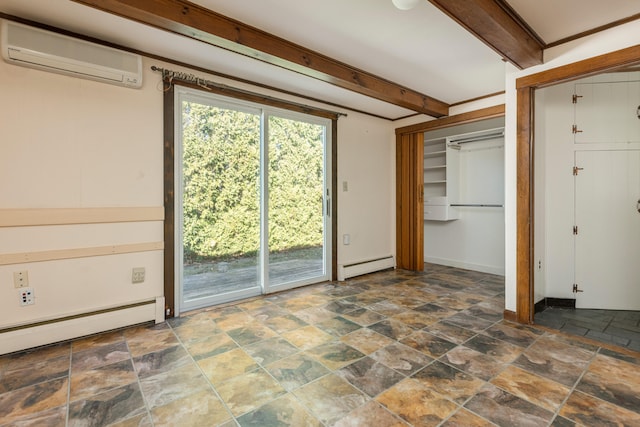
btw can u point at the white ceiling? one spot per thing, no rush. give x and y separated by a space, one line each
555 20
421 48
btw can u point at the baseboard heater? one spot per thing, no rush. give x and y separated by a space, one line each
49 331
363 267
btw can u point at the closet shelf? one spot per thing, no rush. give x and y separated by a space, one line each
440 171
434 154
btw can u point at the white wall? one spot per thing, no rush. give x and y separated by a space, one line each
73 143
473 242
597 44
366 211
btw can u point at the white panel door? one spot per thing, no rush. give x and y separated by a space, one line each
607 112
607 246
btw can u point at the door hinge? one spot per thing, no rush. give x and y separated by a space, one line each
575 230
575 98
575 129
575 288
576 170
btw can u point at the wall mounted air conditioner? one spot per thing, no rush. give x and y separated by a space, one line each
49 51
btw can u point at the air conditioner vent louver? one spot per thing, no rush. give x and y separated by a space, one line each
49 51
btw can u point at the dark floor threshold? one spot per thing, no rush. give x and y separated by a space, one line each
554 302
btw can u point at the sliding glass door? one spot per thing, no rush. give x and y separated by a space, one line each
253 202
297 202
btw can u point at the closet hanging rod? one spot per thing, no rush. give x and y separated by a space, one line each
455 141
473 205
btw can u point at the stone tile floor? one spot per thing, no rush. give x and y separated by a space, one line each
618 327
389 349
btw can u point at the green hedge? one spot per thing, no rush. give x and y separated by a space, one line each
221 154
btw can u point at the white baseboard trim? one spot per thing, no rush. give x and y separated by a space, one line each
498 270
43 333
353 269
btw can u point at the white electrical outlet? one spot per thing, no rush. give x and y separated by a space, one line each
20 279
27 296
137 275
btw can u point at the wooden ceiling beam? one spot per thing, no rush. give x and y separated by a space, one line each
498 26
196 22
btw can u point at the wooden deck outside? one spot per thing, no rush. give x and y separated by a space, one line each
223 277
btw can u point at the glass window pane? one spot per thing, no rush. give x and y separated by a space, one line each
221 224
296 200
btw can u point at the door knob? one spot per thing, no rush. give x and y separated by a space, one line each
638 205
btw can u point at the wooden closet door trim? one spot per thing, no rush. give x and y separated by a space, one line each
409 206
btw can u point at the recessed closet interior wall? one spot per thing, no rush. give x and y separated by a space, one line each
472 236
